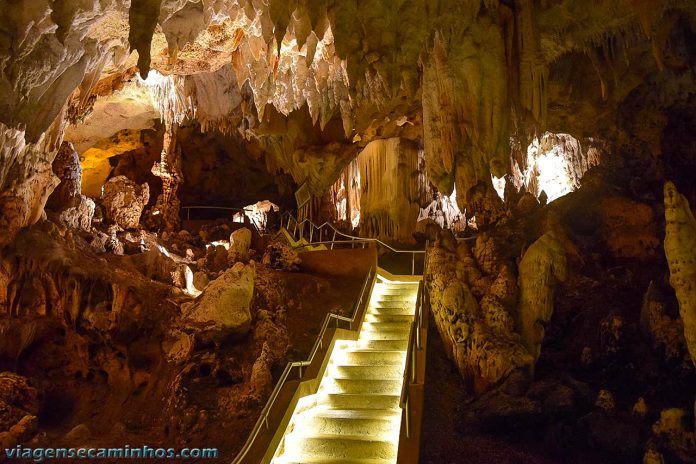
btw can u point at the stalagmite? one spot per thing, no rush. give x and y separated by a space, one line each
543 265
166 210
680 249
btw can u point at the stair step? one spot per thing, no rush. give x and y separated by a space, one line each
391 334
375 358
371 317
359 401
378 326
392 310
361 386
312 460
339 447
372 423
383 345
387 372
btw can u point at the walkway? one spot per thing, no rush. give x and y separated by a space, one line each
355 416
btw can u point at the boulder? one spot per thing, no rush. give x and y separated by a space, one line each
124 201
240 243
223 308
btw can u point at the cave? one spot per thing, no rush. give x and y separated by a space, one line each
340 231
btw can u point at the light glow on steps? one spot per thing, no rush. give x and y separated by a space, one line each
355 417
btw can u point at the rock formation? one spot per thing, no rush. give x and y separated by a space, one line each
542 267
240 243
389 190
223 308
680 249
19 406
74 209
124 201
471 309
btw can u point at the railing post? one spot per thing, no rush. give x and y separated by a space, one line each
407 411
333 239
300 366
413 264
413 365
311 232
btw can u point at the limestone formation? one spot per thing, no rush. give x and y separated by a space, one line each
542 267
680 249
479 335
389 189
671 428
223 308
278 255
74 209
124 201
240 243
667 334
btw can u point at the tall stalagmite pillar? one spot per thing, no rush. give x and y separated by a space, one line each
169 170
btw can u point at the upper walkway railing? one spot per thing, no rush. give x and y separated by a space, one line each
308 230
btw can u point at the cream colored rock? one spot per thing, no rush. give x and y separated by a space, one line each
543 265
224 306
240 243
124 201
680 249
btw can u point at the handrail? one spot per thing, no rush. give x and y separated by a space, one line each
352 239
413 345
348 236
318 344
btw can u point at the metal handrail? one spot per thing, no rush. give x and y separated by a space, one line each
349 238
318 344
413 345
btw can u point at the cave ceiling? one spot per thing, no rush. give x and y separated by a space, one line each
312 82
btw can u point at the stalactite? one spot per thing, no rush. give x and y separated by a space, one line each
533 72
465 111
389 189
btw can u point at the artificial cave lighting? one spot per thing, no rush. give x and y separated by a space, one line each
257 214
499 186
555 164
445 212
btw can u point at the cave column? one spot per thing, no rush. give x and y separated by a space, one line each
169 170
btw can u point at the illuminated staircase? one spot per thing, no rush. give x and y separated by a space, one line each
355 416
